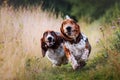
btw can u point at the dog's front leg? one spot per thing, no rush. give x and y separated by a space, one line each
71 58
51 58
85 54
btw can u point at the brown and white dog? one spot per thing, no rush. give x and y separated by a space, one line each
76 44
52 47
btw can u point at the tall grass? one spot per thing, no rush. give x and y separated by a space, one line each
20 55
20 33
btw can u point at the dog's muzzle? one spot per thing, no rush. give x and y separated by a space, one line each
68 28
50 41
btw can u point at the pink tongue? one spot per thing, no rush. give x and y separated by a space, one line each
49 44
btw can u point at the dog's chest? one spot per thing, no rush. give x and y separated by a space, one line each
55 53
76 49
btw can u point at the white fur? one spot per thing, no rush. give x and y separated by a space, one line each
55 56
78 50
67 17
46 39
49 35
85 55
73 61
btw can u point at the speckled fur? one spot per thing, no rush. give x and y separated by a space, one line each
56 56
78 52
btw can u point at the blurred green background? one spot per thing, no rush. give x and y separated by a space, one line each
93 9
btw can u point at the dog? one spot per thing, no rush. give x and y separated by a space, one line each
52 47
76 45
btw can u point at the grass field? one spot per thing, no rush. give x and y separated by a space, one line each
20 55
20 33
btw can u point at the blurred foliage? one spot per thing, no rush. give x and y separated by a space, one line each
116 41
55 6
112 15
78 8
92 9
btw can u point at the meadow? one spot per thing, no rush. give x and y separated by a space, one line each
20 53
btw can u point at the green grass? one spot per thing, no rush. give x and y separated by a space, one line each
103 66
97 69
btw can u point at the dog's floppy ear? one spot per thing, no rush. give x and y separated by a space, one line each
43 47
60 39
78 28
61 28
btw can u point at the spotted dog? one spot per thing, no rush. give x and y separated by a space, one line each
76 45
52 47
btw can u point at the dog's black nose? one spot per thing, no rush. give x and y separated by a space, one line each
50 38
68 28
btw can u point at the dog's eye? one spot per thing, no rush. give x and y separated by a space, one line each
52 33
72 22
45 34
75 30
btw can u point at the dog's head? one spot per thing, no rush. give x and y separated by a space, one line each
50 39
70 29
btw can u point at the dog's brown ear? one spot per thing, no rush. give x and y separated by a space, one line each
60 39
78 27
43 47
61 28
62 31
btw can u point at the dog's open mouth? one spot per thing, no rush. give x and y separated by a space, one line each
69 33
50 43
